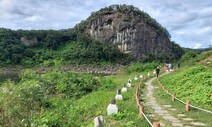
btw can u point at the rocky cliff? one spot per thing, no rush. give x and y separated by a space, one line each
131 32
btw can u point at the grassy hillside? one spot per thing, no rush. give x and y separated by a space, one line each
197 57
192 81
65 99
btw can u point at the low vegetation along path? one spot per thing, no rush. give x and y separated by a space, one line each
161 113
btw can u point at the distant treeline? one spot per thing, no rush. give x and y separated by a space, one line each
65 45
12 51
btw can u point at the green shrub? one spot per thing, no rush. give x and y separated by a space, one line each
107 84
194 56
141 67
43 99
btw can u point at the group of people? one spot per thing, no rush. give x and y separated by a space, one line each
168 67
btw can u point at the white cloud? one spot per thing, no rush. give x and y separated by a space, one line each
180 33
34 18
206 12
204 30
197 46
5 5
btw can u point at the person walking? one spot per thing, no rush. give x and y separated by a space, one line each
158 71
178 65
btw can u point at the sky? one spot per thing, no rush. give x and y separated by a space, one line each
188 21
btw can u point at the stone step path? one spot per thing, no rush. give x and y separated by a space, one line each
162 111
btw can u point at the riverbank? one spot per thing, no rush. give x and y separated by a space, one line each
12 72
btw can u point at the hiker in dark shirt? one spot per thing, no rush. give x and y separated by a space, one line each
157 71
178 65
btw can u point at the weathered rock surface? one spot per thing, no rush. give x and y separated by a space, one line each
130 33
28 42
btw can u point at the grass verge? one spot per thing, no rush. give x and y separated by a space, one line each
96 104
196 115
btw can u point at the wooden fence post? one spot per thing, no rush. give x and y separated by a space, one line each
136 90
137 102
187 105
173 97
162 87
141 109
156 124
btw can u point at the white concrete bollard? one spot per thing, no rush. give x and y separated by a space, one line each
99 121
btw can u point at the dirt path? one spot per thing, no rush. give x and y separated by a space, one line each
158 110
161 113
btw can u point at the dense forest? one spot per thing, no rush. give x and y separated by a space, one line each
48 45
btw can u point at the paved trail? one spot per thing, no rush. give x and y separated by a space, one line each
166 119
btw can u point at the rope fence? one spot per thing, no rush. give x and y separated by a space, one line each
157 124
180 100
186 103
147 119
141 108
200 109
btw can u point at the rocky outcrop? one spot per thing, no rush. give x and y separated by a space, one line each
130 33
29 42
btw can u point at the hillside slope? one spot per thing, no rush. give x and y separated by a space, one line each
193 80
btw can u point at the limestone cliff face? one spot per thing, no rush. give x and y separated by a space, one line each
130 33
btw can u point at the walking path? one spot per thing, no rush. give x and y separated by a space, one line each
162 112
